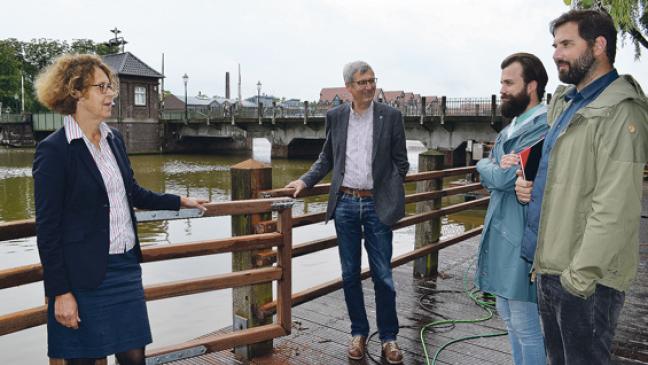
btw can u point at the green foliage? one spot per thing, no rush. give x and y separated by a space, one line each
29 58
630 17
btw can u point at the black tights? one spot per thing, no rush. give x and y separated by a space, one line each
130 357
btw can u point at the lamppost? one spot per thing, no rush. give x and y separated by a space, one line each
185 78
259 99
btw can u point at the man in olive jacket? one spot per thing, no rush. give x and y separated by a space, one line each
585 203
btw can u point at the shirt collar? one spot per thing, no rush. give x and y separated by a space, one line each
73 131
370 108
593 88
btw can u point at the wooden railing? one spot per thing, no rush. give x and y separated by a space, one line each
272 265
281 273
269 226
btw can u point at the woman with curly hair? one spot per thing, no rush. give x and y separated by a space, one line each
85 193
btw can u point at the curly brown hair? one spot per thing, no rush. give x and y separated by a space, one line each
60 85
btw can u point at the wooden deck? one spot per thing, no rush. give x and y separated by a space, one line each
320 328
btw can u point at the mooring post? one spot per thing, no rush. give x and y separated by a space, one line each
248 179
429 231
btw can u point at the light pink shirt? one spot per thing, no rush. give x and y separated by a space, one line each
122 236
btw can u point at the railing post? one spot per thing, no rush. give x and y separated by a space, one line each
430 231
422 109
260 112
493 108
443 109
274 108
248 179
549 98
305 111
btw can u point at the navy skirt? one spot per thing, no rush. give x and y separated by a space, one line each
113 316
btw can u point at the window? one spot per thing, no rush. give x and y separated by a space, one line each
140 95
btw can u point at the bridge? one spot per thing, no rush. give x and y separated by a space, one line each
300 132
445 124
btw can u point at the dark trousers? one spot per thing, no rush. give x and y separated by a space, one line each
577 331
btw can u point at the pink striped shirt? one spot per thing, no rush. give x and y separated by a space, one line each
122 236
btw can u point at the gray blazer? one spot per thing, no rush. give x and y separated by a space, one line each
389 163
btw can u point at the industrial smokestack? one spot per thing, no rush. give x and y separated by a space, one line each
227 86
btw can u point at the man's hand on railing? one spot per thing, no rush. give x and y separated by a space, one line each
298 185
523 188
186 202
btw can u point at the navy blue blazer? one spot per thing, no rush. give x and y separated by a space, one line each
72 211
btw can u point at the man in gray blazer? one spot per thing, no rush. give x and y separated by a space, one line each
365 148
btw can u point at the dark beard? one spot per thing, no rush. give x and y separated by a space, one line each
578 69
516 104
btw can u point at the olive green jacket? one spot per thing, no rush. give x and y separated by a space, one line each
590 213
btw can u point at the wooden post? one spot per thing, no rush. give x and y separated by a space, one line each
248 179
430 231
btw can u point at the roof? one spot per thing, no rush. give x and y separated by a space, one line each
393 95
127 64
327 94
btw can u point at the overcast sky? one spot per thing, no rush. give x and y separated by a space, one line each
431 47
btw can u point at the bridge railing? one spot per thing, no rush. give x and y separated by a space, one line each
11 118
280 273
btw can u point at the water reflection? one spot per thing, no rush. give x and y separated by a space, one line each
204 176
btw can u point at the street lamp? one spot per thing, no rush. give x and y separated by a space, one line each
259 114
185 78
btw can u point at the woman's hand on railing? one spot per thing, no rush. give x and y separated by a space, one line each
186 202
298 185
66 311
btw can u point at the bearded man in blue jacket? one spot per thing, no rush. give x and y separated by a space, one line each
500 269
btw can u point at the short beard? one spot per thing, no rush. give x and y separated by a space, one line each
579 69
516 104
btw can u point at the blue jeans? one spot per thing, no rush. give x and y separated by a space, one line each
523 325
578 331
353 216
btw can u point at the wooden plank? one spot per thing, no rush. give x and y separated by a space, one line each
419 197
215 282
20 275
332 285
298 221
18 321
418 218
225 341
17 229
233 244
32 273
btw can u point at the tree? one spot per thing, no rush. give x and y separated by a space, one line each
630 17
9 75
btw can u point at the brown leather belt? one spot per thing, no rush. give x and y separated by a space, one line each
357 193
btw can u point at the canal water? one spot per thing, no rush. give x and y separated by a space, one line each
202 176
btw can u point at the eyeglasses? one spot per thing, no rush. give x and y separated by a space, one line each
104 86
371 81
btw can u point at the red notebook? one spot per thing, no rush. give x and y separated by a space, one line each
530 160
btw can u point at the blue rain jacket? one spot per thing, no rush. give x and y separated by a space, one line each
500 268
